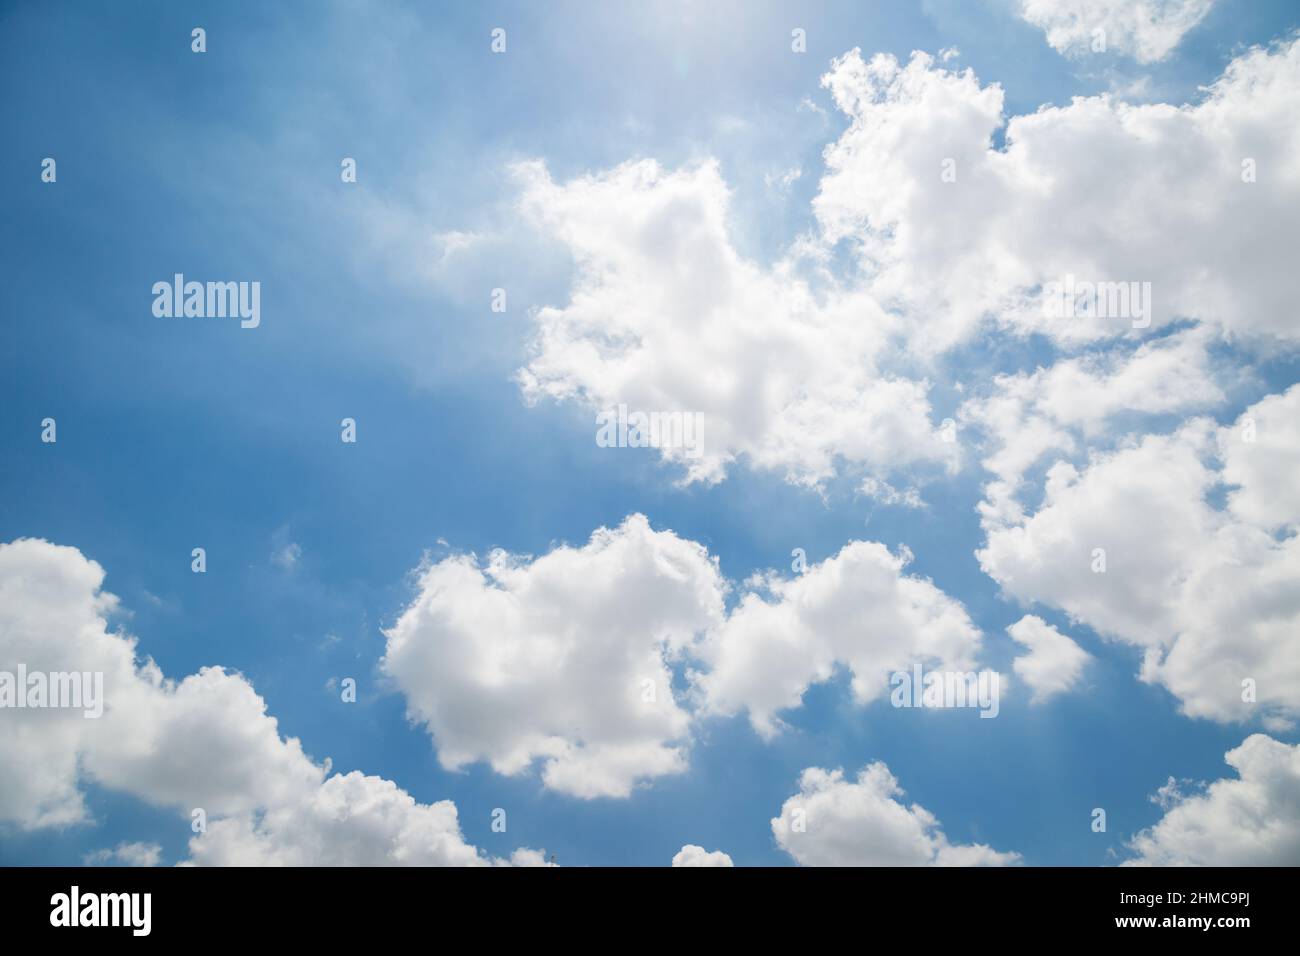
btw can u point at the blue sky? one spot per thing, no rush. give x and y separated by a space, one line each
175 434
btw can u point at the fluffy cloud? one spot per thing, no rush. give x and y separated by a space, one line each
692 855
665 315
1253 820
1261 458
1092 189
856 609
1077 401
350 820
1208 596
564 659
203 742
1147 30
1054 662
811 370
832 821
567 659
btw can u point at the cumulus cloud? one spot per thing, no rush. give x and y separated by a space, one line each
666 315
856 610
832 821
350 820
1207 595
1092 189
568 659
203 742
1054 662
1261 458
1067 406
1146 30
1253 820
563 659
692 855
812 370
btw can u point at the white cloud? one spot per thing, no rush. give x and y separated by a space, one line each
1054 662
127 854
692 855
857 610
863 823
1261 458
1073 403
1209 597
1146 30
203 742
1092 189
1253 820
797 370
665 315
887 494
563 659
567 659
350 820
